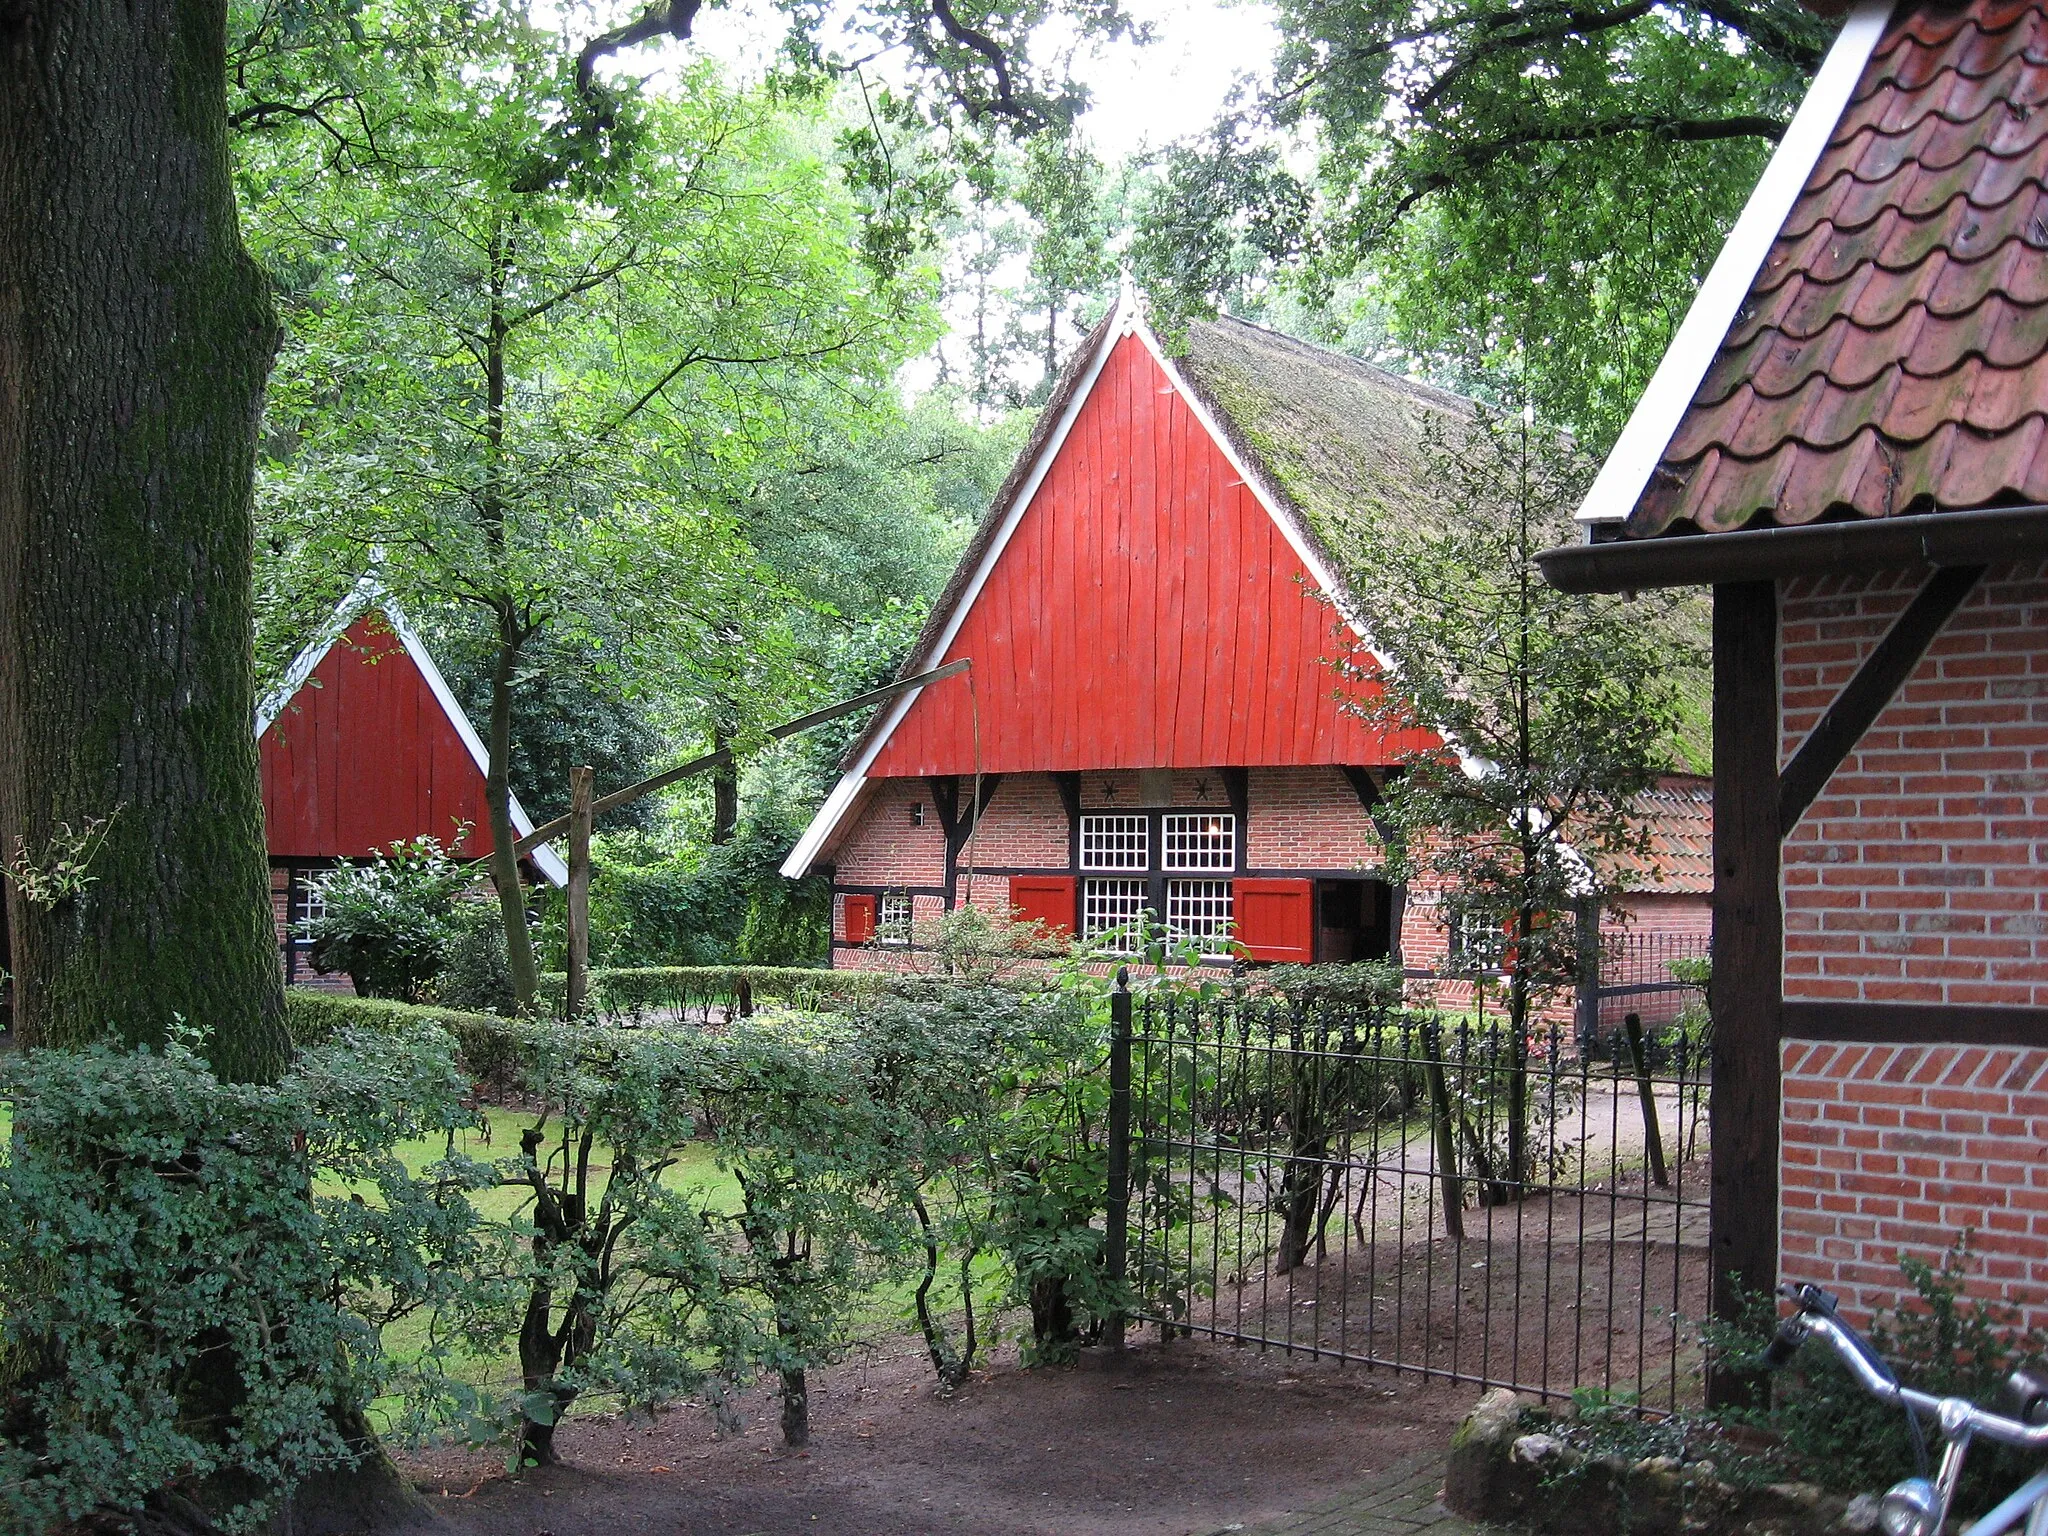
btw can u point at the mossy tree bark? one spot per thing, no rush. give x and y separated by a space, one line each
135 338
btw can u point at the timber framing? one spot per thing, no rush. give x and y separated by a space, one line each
1987 536
1748 957
1882 674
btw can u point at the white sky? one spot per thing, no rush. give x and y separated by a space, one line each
1144 95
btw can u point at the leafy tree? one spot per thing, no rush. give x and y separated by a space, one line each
1529 184
520 372
1556 710
388 923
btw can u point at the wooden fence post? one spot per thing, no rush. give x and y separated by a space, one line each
1446 1142
1653 1135
582 784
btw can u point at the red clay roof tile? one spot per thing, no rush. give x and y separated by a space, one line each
1893 352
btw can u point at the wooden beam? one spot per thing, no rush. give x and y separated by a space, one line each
1742 1107
1883 673
1914 1023
1986 536
788 728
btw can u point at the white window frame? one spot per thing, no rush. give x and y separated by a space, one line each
1204 911
894 914
1198 840
1474 944
1111 911
1114 840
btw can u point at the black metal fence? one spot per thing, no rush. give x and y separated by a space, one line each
1387 1188
1635 975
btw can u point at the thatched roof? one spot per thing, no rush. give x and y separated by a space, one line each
1336 436
1341 440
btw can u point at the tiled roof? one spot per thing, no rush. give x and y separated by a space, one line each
1679 817
1892 354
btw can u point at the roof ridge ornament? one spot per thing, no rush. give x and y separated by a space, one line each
1130 304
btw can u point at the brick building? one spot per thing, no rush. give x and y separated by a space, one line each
1151 720
1849 442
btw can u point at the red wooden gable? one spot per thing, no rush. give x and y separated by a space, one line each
1146 612
365 754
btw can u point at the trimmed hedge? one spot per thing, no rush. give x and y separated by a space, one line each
485 1044
686 987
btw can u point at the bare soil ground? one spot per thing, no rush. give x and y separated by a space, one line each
1186 1438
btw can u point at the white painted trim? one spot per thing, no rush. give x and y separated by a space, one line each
1663 404
826 822
307 661
368 593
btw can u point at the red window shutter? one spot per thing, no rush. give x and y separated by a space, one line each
1276 919
1047 899
862 914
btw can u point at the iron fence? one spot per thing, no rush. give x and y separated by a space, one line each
1634 975
1384 1187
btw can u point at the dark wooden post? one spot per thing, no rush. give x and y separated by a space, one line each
1746 992
1646 1092
1588 999
1442 1133
582 783
1117 1211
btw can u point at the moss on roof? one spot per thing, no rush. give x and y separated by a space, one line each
1335 435
1340 439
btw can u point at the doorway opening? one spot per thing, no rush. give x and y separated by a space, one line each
1354 920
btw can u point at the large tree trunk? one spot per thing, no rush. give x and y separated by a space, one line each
135 338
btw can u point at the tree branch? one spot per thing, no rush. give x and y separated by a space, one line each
673 19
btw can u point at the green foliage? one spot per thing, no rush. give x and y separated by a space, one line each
388 923
637 994
1559 710
652 907
1526 191
476 973
143 1175
1940 1341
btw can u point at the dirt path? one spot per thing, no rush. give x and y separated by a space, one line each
1194 1438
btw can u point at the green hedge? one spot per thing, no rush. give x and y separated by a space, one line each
485 1043
681 987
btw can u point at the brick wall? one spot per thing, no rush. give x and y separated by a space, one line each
1024 827
1307 818
1920 875
885 847
1897 1149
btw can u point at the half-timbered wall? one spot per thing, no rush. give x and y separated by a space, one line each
1920 874
1918 879
1308 818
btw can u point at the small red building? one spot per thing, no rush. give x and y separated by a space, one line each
1848 441
1151 721
362 746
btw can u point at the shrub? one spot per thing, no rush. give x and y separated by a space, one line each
1940 1341
638 992
388 924
178 1305
476 974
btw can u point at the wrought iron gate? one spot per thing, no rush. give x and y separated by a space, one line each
1410 1191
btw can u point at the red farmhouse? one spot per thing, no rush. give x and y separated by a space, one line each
363 746
1150 722
1848 441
